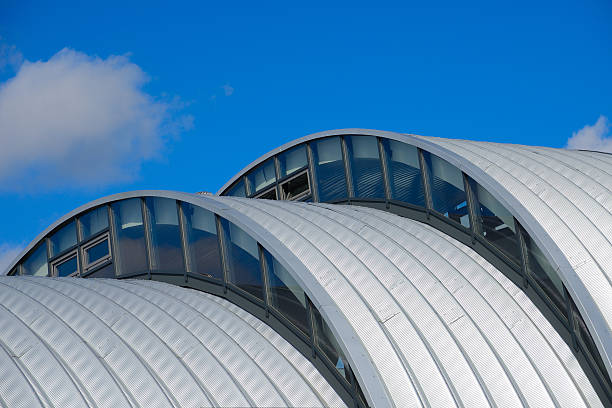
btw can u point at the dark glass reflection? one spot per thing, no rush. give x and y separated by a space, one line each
328 344
64 238
292 160
93 221
243 257
405 177
105 272
583 333
96 252
544 274
201 232
36 263
286 295
131 247
167 250
495 222
331 178
296 187
447 189
237 190
262 176
68 267
366 168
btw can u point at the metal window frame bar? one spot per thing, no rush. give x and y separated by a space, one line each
348 171
384 165
312 174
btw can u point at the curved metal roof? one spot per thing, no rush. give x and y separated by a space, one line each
423 319
441 326
563 198
72 342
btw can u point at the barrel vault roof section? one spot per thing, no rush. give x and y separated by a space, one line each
563 198
70 342
441 326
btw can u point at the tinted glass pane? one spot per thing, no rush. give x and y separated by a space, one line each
544 274
36 263
63 239
286 295
104 272
68 267
203 244
583 333
167 251
96 252
131 247
327 343
330 169
262 176
365 166
405 176
237 190
296 187
243 257
292 160
496 223
447 189
94 221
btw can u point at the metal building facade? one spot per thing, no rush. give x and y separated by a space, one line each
416 300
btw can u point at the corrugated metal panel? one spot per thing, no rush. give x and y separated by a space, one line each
75 342
442 326
562 197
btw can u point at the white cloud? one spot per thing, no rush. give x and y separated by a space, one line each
7 254
228 89
596 137
80 121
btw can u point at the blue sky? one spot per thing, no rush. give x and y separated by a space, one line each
182 97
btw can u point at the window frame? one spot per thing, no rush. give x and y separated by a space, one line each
86 266
59 260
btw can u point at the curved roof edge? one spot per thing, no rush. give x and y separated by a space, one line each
595 320
374 389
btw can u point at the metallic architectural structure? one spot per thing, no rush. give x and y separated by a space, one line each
417 271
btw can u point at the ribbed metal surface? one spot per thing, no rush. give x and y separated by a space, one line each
70 342
441 326
563 198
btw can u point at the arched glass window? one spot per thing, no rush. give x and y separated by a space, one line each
447 189
405 177
129 228
583 333
495 222
237 190
93 221
166 248
286 295
262 176
64 238
201 230
544 274
244 269
366 167
36 263
328 344
292 160
330 169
